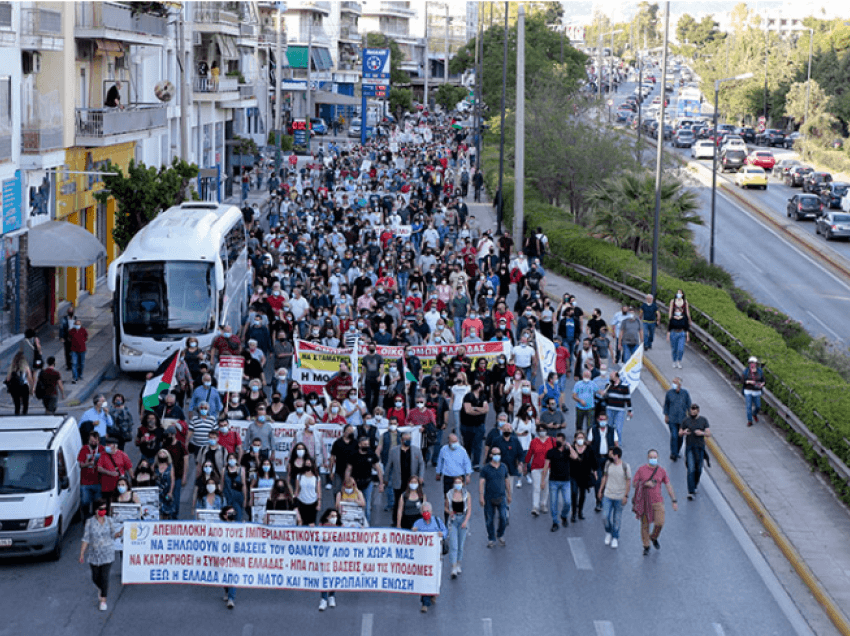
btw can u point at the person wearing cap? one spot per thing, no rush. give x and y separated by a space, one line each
753 381
677 404
694 430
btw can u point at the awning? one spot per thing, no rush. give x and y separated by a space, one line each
109 46
296 56
227 47
336 99
322 60
63 244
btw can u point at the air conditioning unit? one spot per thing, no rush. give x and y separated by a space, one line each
31 62
196 38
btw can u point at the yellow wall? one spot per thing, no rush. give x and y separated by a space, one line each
75 195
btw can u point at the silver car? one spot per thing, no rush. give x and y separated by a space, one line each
834 225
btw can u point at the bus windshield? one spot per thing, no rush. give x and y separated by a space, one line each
171 298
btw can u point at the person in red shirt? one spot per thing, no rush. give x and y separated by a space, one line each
536 458
504 312
229 438
89 480
226 344
387 281
435 302
398 411
79 337
276 299
112 464
562 368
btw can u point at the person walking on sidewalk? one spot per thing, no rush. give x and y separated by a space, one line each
678 333
648 502
694 429
651 319
477 184
19 381
753 379
52 386
65 327
614 494
495 496
677 403
79 339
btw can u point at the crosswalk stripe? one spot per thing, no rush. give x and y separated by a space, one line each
604 628
366 625
579 552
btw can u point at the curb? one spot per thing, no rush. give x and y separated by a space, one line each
785 546
91 386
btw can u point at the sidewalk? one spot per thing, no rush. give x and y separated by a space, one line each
799 500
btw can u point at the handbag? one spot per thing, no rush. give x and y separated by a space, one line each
40 388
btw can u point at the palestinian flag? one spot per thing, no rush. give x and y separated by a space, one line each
408 376
162 380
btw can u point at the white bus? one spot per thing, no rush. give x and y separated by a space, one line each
184 274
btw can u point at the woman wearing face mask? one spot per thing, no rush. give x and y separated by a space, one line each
293 393
228 514
428 522
308 494
235 409
581 474
334 414
398 410
265 476
164 476
350 494
314 407
124 492
299 458
678 328
459 510
254 396
143 475
122 418
208 474
149 436
330 518
524 426
234 486
98 540
459 390
410 504
210 498
281 498
277 410
252 459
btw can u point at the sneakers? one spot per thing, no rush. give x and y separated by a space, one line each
519 483
332 601
614 543
459 569
424 609
573 518
528 479
607 538
656 544
755 417
454 571
564 408
102 606
329 487
226 598
554 527
230 603
598 507
564 522
646 550
690 496
502 541
534 512
749 422
323 604
490 544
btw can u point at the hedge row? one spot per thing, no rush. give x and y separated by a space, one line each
804 386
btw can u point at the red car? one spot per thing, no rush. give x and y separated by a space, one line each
762 159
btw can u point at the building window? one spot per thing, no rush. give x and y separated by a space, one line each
5 103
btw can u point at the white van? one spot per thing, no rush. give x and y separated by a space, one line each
39 483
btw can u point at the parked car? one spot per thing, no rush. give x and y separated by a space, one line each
781 167
791 139
796 175
318 126
833 225
832 193
771 137
702 150
747 134
751 177
732 160
815 181
803 206
684 139
762 159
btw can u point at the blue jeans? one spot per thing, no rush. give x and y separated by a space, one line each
752 401
245 187
693 461
457 537
473 442
231 593
557 488
327 595
490 511
433 451
178 489
78 363
677 345
389 495
274 220
562 384
648 334
675 440
612 513
88 495
616 419
628 351
367 495
403 277
458 323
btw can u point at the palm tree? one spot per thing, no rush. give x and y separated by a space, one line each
624 210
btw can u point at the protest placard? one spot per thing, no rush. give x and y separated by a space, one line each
121 512
229 374
149 499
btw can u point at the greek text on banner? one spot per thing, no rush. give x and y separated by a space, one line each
249 555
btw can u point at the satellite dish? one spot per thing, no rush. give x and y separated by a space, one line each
164 91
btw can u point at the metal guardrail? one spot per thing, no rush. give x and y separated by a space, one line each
733 363
110 15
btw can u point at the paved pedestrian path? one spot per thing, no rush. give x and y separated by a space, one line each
799 500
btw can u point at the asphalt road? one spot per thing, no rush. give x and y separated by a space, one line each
701 582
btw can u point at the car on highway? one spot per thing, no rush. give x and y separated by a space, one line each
762 159
733 141
832 193
796 175
771 137
751 177
791 139
684 139
815 181
747 134
833 225
804 206
781 167
732 159
702 150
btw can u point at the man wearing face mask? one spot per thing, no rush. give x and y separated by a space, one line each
556 473
340 383
361 467
630 335
429 523
225 344
342 451
677 404
200 428
512 454
648 502
601 438
403 461
373 365
207 394
494 487
389 440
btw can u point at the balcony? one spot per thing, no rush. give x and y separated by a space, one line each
208 90
349 34
112 21
350 7
247 91
213 17
41 30
7 32
268 36
40 139
309 5
395 9
107 126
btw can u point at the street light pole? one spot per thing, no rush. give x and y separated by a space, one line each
656 232
500 211
809 74
479 71
766 51
714 159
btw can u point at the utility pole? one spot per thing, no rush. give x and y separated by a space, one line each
363 120
599 63
639 105
519 137
479 69
184 87
278 76
500 211
446 48
766 53
427 62
657 228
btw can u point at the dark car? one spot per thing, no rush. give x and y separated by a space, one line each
781 167
668 131
796 175
732 160
803 206
815 181
833 225
684 139
747 134
771 137
832 193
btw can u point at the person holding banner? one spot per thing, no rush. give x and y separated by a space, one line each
211 499
429 523
308 494
361 467
330 518
124 493
234 486
98 540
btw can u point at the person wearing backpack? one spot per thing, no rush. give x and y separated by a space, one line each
19 381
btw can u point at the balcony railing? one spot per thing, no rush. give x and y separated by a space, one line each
246 91
5 146
108 15
104 122
41 29
208 85
7 34
268 35
351 7
213 13
349 33
41 139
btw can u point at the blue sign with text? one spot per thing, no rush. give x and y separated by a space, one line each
12 203
376 66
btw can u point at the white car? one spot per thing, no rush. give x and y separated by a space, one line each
734 143
703 149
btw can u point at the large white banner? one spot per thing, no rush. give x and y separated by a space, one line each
630 373
314 559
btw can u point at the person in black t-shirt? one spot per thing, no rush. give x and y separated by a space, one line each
360 467
472 416
556 472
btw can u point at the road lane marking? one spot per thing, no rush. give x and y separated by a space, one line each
753 265
487 624
718 629
579 552
604 628
825 326
366 625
